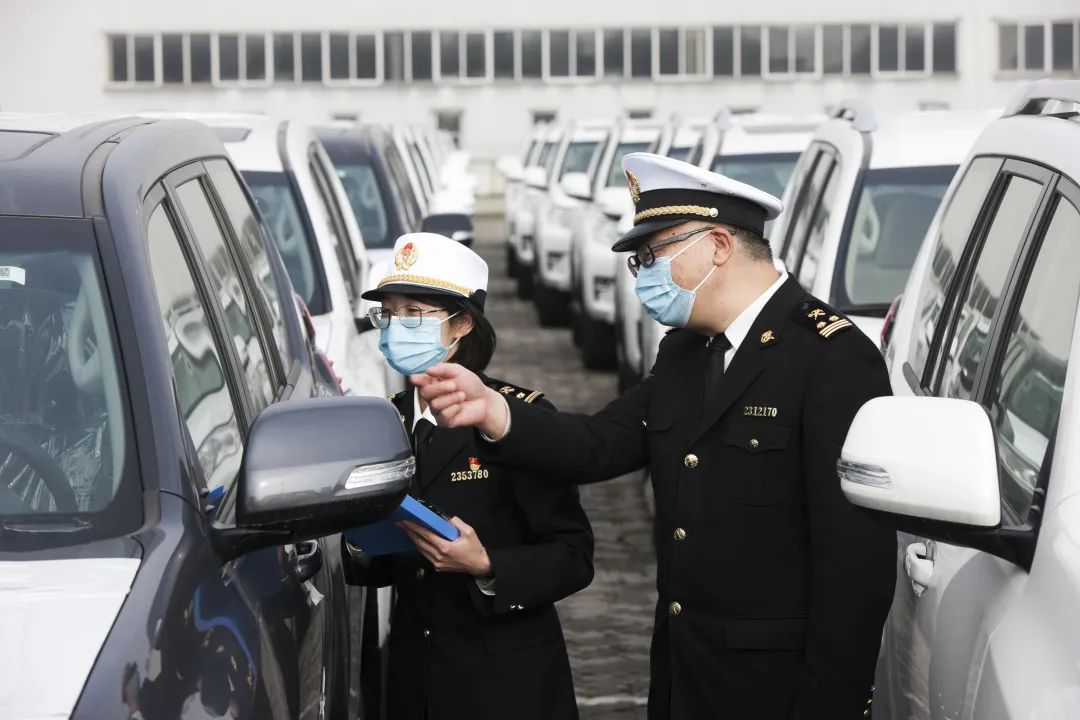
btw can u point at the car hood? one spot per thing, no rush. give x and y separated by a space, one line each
56 615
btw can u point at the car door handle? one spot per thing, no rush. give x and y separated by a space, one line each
918 567
308 561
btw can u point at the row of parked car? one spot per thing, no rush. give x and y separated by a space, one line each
953 240
179 300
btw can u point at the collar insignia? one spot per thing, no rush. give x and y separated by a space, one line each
767 337
406 257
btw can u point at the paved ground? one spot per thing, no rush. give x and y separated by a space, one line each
608 625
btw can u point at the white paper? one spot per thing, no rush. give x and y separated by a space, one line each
10 273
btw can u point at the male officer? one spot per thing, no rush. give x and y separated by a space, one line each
772 588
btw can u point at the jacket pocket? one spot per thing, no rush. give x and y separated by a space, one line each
774 633
757 437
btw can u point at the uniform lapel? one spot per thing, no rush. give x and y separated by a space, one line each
748 362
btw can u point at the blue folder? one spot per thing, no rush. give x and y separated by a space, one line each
386 538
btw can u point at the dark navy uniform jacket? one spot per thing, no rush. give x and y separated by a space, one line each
455 652
773 589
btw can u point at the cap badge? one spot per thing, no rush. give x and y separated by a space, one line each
635 186
406 257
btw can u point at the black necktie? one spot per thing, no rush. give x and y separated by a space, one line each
714 365
421 438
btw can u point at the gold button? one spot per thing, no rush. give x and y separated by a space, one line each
680 534
690 461
427 633
754 443
420 573
674 608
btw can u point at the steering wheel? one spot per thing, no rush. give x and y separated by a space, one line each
50 472
86 371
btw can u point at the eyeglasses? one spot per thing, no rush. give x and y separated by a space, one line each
410 316
646 254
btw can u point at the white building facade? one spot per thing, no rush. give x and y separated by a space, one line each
488 69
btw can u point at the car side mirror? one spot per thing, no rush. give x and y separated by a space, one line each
613 202
316 467
928 466
576 185
456 226
536 177
510 167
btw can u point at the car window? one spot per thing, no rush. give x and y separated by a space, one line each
815 232
246 228
277 199
421 167
969 329
400 178
204 398
955 228
368 204
1027 390
528 152
765 171
225 282
577 158
805 208
616 177
336 225
545 154
679 152
893 211
63 434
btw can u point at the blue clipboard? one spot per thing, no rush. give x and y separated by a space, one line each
386 538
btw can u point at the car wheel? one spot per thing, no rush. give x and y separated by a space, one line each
598 344
550 305
512 264
524 283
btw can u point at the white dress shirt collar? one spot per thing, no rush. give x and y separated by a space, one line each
741 325
416 414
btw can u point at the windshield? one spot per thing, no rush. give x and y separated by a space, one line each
291 229
894 210
765 172
362 188
577 158
616 177
545 154
63 437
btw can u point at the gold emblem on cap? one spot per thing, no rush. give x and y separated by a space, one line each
406 257
635 186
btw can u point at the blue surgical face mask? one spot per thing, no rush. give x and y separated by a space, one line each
663 299
411 351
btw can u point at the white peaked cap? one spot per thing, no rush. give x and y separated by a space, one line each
430 264
667 192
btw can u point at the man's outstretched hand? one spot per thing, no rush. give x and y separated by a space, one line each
458 398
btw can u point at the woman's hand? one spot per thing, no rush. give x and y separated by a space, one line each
464 555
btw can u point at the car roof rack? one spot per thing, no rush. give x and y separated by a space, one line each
1033 99
859 113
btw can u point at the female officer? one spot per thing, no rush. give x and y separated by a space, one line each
474 632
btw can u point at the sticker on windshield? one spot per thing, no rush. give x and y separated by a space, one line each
13 274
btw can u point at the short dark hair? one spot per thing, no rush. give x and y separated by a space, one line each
755 246
474 350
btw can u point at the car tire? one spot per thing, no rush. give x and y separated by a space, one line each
551 305
524 283
513 267
597 344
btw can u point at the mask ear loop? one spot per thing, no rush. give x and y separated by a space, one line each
456 340
708 274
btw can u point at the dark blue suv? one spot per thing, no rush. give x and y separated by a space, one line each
171 481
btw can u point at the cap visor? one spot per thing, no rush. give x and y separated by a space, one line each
408 289
640 232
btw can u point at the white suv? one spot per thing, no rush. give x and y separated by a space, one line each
512 168
976 462
860 200
594 266
535 176
760 150
555 216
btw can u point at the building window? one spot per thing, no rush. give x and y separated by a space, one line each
449 55
311 57
833 50
792 50
118 58
394 57
749 51
614 55
680 52
543 117
860 42
532 54
944 48
1038 47
476 55
503 51
284 57
462 55
641 53
901 49
420 51
366 48
723 51
172 59
339 57
585 53
255 58
914 48
450 121
639 114
888 55
669 51
228 57
558 53
145 71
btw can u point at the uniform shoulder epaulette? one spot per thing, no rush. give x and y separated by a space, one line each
821 319
523 394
